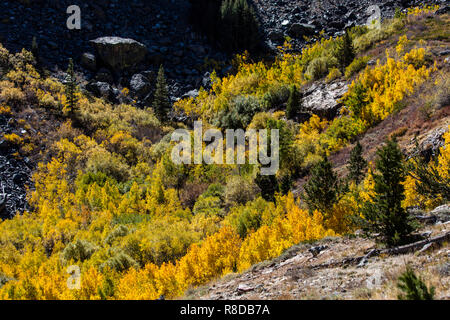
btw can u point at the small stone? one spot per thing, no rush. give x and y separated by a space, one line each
426 234
242 288
425 248
316 250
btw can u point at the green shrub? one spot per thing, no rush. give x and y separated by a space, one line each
317 68
248 220
240 113
239 191
83 181
100 160
341 131
118 232
210 206
334 74
107 289
357 100
78 251
119 261
358 31
320 66
275 97
4 279
357 65
160 240
215 190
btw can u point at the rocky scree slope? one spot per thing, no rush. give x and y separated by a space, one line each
163 27
306 18
15 172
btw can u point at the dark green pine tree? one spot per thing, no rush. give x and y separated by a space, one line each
35 49
250 24
357 164
384 214
239 26
268 185
322 188
205 15
285 183
345 52
413 287
294 102
161 102
71 90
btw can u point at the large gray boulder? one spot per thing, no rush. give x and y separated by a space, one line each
119 53
323 99
298 30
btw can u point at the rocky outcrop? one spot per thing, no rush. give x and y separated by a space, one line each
119 53
323 99
140 85
15 173
433 141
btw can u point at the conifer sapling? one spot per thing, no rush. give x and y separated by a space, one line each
161 102
357 164
384 214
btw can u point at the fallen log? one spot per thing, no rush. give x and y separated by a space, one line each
432 219
412 247
416 245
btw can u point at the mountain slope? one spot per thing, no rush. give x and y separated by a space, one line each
333 269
